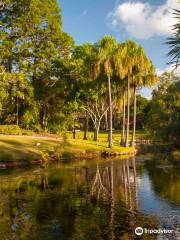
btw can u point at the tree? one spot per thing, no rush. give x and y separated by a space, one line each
3 88
32 42
106 50
121 73
164 116
174 42
87 54
142 109
96 108
143 75
126 64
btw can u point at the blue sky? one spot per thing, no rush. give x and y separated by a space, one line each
146 22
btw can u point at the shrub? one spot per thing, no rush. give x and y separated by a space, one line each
10 129
27 132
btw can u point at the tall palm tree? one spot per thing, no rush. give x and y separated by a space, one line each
145 77
129 61
106 50
141 68
121 73
174 42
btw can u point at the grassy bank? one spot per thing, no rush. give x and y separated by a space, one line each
27 148
79 147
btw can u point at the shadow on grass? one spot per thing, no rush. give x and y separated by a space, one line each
12 142
9 154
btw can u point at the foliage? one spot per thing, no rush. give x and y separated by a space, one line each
164 115
10 129
174 42
48 84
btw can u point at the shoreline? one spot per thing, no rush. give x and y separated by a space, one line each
80 156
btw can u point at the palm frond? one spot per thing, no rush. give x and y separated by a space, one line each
174 42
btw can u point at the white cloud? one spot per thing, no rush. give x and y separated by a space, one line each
142 20
168 69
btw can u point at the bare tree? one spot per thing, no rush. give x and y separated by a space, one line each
96 111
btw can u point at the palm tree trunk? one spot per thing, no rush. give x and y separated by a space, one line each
74 133
106 121
110 113
17 111
134 121
128 111
86 123
124 120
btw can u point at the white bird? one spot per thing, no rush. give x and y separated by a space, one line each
38 144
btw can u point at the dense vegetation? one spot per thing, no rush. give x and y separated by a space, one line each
163 117
49 84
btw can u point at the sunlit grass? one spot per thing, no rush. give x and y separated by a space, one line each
13 148
26 148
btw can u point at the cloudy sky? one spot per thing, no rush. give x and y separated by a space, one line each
148 22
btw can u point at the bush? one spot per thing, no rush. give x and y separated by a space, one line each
27 132
10 129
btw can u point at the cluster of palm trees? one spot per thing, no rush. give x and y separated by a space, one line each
129 63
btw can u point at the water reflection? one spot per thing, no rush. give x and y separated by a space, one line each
87 200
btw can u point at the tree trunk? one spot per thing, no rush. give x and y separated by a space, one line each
96 133
110 113
106 121
124 120
86 126
74 133
128 111
17 111
134 120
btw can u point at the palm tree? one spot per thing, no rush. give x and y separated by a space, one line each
129 61
144 77
121 72
174 42
106 49
141 68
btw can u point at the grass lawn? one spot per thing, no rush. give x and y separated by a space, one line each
74 147
14 148
26 148
103 135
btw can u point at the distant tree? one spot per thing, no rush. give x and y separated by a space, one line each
164 115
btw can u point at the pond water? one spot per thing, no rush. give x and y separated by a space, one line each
89 200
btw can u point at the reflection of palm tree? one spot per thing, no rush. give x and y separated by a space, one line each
125 183
112 202
135 181
44 183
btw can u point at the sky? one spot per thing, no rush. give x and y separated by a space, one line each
148 22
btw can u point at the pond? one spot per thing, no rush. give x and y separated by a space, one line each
90 199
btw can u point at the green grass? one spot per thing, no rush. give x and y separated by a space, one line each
81 148
103 135
24 148
15 148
